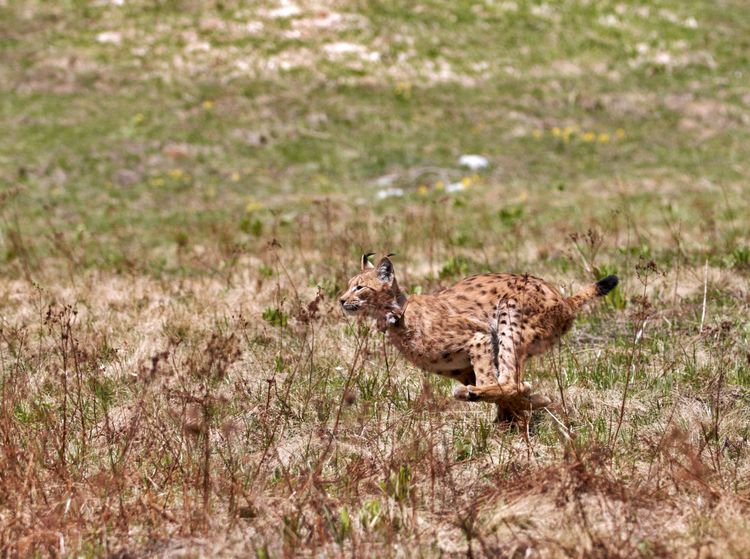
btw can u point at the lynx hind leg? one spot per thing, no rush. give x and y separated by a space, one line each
505 341
497 358
511 338
489 369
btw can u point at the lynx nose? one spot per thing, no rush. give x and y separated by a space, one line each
342 301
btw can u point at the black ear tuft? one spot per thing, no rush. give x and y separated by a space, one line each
365 261
385 270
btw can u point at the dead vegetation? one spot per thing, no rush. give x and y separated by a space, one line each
245 416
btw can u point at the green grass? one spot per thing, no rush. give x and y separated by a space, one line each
185 175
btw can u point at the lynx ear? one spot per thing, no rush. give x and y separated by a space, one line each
365 263
385 270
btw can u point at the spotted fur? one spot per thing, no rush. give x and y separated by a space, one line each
479 332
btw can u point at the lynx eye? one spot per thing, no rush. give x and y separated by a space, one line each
359 287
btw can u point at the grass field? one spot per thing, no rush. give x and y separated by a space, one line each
186 186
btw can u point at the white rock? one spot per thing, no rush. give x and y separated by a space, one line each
455 187
285 10
663 58
473 162
342 49
610 20
691 23
113 37
390 193
386 180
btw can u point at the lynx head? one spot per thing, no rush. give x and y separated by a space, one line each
373 291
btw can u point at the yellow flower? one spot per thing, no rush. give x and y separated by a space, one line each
422 189
620 133
603 138
440 185
252 205
176 173
234 177
556 132
588 137
466 181
536 134
208 104
403 89
156 181
320 179
137 119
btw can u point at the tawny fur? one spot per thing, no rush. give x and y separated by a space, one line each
478 332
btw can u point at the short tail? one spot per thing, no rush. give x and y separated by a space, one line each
598 289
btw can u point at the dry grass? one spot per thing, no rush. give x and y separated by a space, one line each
186 186
204 417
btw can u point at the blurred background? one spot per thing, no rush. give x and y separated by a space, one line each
133 131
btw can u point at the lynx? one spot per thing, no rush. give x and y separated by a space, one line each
479 332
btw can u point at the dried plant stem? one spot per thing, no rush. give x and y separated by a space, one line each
705 295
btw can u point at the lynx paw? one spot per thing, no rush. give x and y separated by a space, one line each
465 393
538 401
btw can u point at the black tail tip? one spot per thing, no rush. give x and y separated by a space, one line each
605 285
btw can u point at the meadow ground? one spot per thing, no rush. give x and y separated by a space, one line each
187 185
